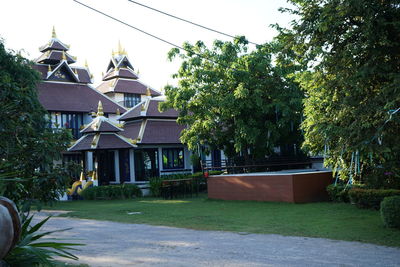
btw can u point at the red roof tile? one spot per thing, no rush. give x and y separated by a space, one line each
73 97
83 74
162 132
121 73
106 141
152 110
131 129
99 125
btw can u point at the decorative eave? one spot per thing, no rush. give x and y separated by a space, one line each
60 65
55 56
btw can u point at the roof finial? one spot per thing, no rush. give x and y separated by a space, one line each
53 33
64 57
100 109
148 92
86 64
118 112
49 68
143 108
120 50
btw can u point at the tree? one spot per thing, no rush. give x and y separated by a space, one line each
234 100
28 147
352 49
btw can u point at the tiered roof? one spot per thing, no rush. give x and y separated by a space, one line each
101 134
65 87
121 77
145 124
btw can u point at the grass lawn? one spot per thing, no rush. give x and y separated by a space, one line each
327 220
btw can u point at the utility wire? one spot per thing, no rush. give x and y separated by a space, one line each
187 21
152 35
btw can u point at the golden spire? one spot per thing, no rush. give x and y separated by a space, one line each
118 112
120 50
100 109
76 71
86 64
64 57
49 68
143 108
53 33
148 92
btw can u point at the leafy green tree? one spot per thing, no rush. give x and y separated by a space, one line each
352 50
28 146
234 100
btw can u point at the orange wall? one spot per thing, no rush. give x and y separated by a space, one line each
297 188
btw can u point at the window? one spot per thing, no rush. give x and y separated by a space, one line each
72 121
173 158
131 100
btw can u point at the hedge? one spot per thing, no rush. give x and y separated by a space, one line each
370 198
338 193
124 191
390 211
156 182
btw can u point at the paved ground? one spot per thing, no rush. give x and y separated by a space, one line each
119 244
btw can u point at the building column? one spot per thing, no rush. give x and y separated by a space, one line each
160 161
116 166
132 165
89 161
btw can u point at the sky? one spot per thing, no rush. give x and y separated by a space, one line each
26 25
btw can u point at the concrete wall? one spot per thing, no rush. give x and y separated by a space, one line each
295 188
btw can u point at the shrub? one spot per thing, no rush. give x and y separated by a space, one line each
390 211
155 186
370 198
338 193
124 191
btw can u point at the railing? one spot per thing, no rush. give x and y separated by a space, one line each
240 166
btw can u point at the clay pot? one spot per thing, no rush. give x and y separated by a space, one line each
10 226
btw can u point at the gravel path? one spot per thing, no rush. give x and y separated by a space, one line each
120 244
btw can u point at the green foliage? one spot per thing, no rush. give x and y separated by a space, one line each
390 211
27 146
370 198
351 49
31 251
234 100
338 193
124 191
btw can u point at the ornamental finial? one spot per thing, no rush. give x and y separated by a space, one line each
120 50
100 109
49 68
64 57
118 112
143 108
86 64
148 92
53 33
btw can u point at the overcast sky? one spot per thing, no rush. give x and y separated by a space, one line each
26 24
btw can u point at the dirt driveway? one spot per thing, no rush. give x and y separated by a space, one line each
120 244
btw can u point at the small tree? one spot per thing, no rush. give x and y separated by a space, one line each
234 100
28 147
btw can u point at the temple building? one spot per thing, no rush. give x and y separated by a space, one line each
141 143
121 83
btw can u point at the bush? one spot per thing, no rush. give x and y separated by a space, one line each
370 198
338 193
124 191
390 211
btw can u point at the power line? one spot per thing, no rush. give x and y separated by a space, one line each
151 35
187 21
